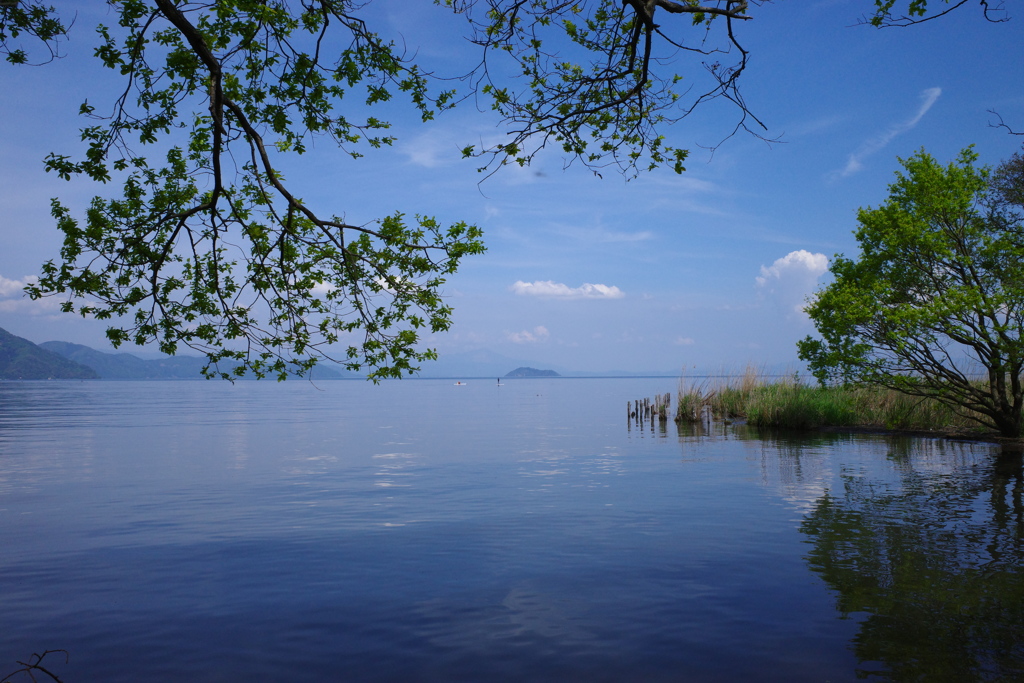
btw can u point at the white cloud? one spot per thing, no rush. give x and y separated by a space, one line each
14 300
13 288
323 288
538 334
683 341
548 288
790 279
855 162
801 261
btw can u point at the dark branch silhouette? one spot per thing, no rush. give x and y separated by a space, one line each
33 666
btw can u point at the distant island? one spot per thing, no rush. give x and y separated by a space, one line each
532 372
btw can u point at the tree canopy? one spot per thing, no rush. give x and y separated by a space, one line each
207 244
934 303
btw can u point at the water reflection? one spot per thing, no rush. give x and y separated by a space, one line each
690 431
648 428
932 562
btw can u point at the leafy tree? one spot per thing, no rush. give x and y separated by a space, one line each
208 246
934 304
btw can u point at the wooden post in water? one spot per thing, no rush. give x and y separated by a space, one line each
642 409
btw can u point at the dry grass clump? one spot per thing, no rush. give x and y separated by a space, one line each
890 409
725 396
692 399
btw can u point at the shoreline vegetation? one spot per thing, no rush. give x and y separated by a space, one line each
771 402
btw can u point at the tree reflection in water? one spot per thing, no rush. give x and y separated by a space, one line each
935 564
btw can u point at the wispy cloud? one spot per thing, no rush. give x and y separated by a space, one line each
602 235
612 236
14 300
875 144
13 288
537 334
818 126
433 149
557 290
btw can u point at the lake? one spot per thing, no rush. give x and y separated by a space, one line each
422 531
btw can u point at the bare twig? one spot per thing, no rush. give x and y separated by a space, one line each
35 664
1002 124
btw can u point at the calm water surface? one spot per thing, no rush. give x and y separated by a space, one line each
420 531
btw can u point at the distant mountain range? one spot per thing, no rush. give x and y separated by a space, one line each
127 366
21 359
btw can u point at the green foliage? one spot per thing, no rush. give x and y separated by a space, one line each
690 401
883 10
793 405
18 19
934 304
207 246
887 12
597 75
789 403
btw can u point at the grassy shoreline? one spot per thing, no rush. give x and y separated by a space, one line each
790 403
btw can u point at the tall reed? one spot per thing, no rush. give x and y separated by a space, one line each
790 402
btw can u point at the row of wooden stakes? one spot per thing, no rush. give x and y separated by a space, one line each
645 409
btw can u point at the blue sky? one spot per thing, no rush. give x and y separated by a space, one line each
706 270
